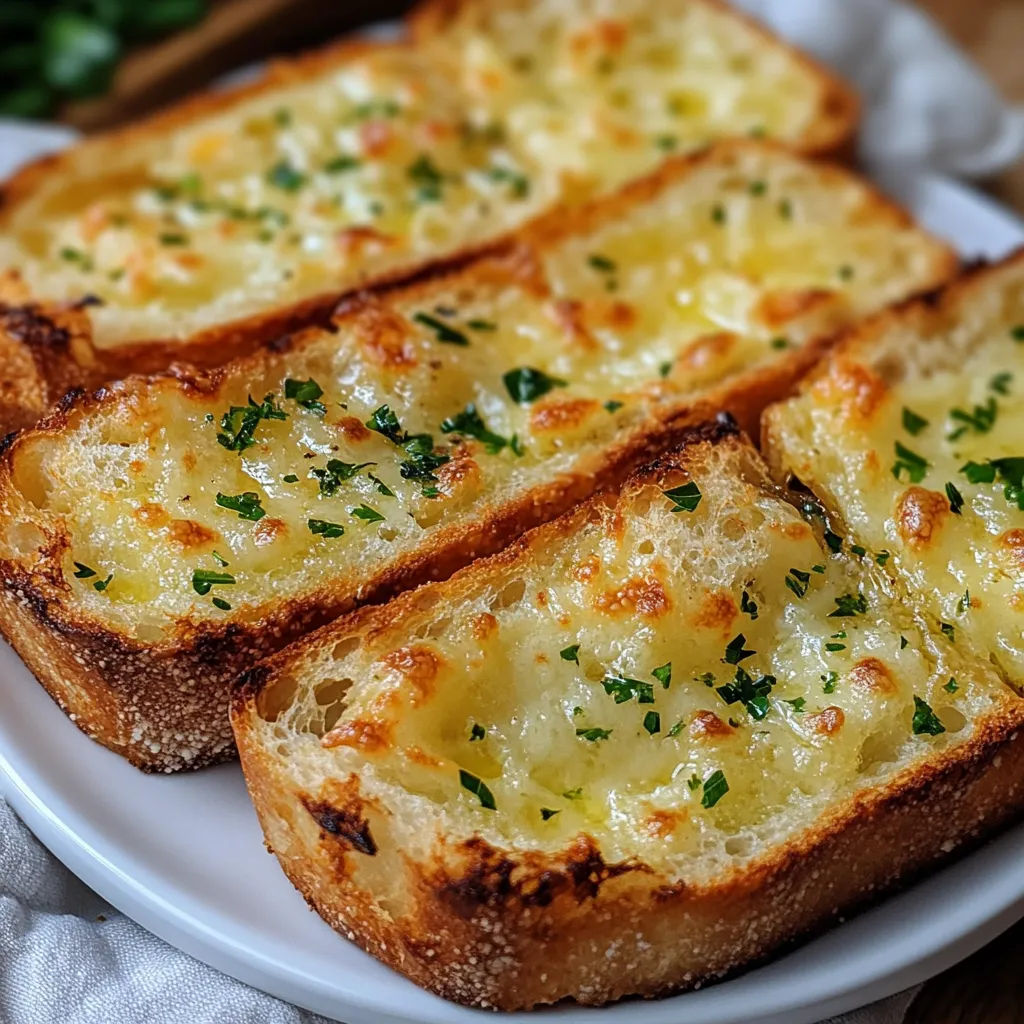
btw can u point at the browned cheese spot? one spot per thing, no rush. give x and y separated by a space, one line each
419 665
268 530
641 595
190 535
706 725
717 611
461 476
857 390
828 721
561 415
661 824
485 625
587 569
1011 549
353 429
920 514
369 735
872 674
357 241
777 309
152 514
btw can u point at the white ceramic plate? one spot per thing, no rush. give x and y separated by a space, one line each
184 857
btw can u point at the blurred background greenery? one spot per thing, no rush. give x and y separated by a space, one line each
52 51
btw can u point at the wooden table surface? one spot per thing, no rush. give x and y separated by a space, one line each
989 987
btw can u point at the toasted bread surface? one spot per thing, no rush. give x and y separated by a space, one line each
911 433
234 217
231 512
648 744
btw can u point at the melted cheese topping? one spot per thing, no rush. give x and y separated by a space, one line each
387 158
960 552
598 680
603 333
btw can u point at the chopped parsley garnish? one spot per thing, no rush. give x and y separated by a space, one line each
797 581
83 572
797 704
952 686
469 423
341 163
290 478
1000 383
624 689
834 646
734 652
422 461
481 325
322 528
652 722
1010 471
247 505
747 606
285 177
478 789
219 602
685 498
834 542
570 653
786 209
380 487
1017 333
693 782
757 188
442 331
220 559
677 729
715 787
829 682
664 369
846 272
779 343
526 384
964 604
601 263
751 693
427 179
948 629
102 585
980 419
367 514
956 499
546 813
594 734
859 550
238 425
718 214
305 393
376 107
916 467
849 604
925 721
666 143
519 184
478 732
904 642
612 406
83 260
282 117
574 794
663 673
173 238
912 423
204 579
882 557
336 473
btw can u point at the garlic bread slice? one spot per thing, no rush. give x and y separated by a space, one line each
912 434
644 747
223 515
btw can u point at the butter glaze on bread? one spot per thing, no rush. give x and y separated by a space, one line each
541 780
689 287
237 216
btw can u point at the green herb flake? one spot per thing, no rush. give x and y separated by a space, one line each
469 423
335 473
715 787
102 585
574 794
547 813
285 177
83 572
797 704
752 694
834 542
925 721
734 650
238 425
219 602
757 188
693 782
366 514
1000 383
913 464
290 478
171 238
663 673
904 642
478 732
612 406
948 630
719 214
305 393
858 550
952 686
601 263
220 559
341 164
443 332
247 505
956 499
525 384
570 653
593 735
204 579
678 728
798 582
829 681
322 528
748 606
882 557
685 498
624 689
849 605
1017 332
427 179
380 487
912 423
779 343
481 325
652 722
980 419
964 604
478 789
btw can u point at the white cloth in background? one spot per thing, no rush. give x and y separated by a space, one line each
66 957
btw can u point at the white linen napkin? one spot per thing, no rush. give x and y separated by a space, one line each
67 957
